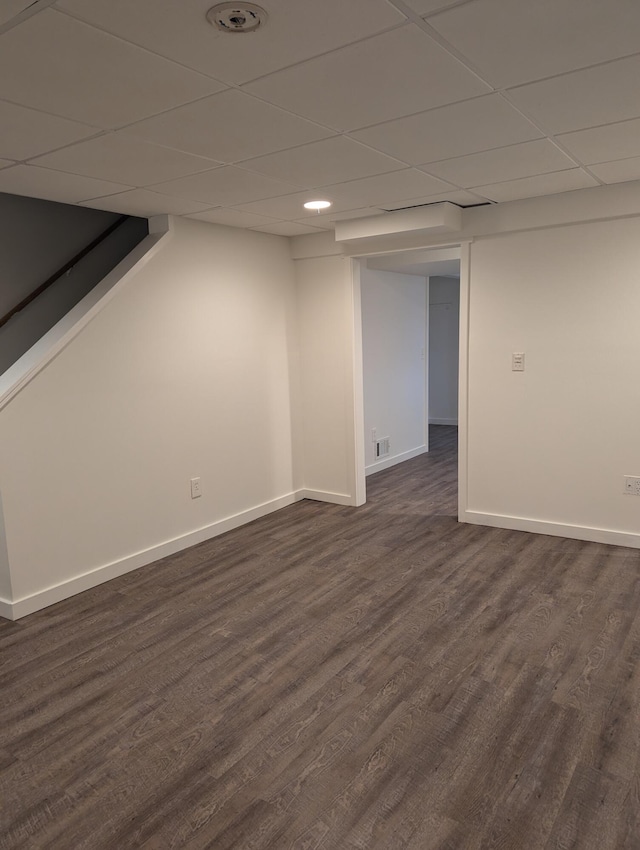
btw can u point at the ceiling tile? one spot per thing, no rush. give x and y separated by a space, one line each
384 77
55 63
49 185
583 99
291 206
515 41
426 7
11 8
27 133
599 144
290 228
495 166
542 184
327 219
324 163
455 130
232 218
293 32
124 159
230 126
372 191
416 119
455 196
145 203
225 187
619 171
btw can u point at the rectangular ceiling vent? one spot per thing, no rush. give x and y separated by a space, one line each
383 447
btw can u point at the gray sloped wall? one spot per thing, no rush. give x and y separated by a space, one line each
36 239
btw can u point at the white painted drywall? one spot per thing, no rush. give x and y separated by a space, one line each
5 574
394 340
550 445
444 309
193 370
326 322
186 372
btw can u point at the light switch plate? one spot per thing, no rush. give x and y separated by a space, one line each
517 361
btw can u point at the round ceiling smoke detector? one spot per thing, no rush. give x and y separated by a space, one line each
236 17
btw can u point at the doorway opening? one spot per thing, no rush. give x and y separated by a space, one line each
410 313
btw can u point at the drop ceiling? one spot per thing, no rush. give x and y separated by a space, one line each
142 107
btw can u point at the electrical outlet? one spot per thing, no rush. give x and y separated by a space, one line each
374 435
632 485
196 488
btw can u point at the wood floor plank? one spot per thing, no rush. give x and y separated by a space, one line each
379 678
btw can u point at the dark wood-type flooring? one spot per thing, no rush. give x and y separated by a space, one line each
328 677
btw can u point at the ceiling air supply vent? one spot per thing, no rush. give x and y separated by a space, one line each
236 17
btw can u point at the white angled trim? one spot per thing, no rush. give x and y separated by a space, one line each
395 459
63 590
556 529
33 361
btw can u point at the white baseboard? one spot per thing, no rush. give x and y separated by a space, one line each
556 529
42 599
63 590
323 496
392 461
437 421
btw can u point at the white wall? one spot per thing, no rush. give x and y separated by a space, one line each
394 340
548 447
213 362
330 421
444 309
186 372
5 575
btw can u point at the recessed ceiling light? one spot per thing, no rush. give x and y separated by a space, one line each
317 205
236 17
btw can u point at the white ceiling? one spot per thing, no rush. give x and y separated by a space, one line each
142 107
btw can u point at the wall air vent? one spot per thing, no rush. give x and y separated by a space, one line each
383 447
